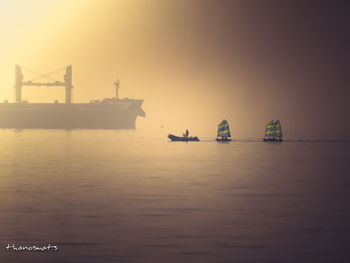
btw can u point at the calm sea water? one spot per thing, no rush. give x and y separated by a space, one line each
115 196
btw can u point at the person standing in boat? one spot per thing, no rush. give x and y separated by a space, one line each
186 133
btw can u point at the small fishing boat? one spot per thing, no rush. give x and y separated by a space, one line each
183 138
273 132
224 134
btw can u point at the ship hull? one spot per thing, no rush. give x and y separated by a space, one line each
182 139
223 139
70 116
272 139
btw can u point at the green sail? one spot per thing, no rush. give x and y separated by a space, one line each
224 129
276 130
268 130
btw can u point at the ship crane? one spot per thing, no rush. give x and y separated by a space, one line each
67 83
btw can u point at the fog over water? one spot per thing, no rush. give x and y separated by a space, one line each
194 62
133 196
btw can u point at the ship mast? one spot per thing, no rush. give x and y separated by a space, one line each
117 86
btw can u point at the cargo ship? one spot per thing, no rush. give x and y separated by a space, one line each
109 113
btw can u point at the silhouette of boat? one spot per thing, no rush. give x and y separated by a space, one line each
182 139
224 134
273 132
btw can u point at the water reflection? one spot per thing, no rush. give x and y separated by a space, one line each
111 196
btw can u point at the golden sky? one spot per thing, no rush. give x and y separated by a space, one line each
193 62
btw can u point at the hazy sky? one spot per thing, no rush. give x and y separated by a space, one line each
193 62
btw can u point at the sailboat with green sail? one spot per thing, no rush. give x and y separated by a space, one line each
273 132
224 134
